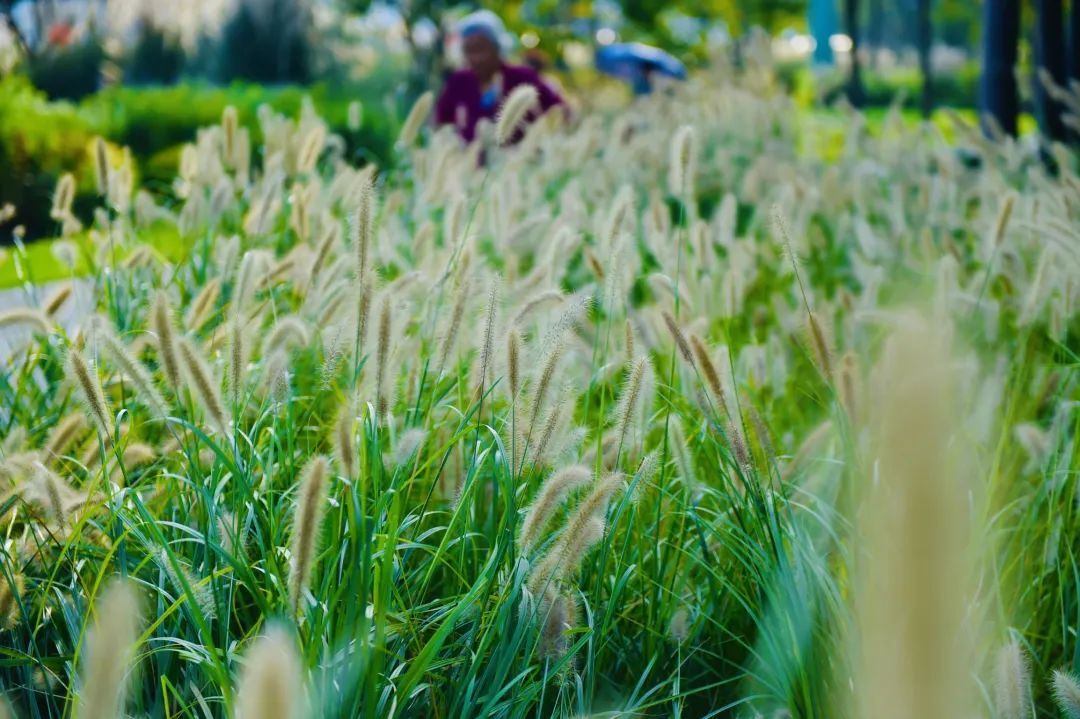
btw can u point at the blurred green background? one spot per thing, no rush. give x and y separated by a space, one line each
147 74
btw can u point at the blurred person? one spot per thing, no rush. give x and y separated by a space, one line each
477 91
638 64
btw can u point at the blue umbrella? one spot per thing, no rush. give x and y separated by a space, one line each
634 61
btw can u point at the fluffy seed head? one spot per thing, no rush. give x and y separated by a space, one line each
821 344
203 386
344 443
681 168
64 435
630 395
551 496
680 339
146 391
229 124
56 300
1066 693
382 358
36 319
513 360
162 325
487 347
1012 689
63 197
203 305
271 682
11 589
522 100
708 369
307 521
90 390
415 119
101 166
108 652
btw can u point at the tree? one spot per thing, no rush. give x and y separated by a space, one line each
855 92
1050 63
999 98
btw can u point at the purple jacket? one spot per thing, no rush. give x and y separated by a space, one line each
461 103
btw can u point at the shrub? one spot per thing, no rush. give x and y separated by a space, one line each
68 73
39 141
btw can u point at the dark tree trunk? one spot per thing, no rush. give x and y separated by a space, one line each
1001 40
855 92
875 31
1050 57
925 41
1074 42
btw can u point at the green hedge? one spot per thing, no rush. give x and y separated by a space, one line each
39 140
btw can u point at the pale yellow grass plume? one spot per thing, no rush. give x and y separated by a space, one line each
362 223
271 682
307 521
708 369
382 359
345 441
513 361
681 165
108 652
457 314
63 196
11 589
203 386
238 358
914 575
820 339
543 298
548 500
311 148
183 581
1012 683
487 346
680 339
552 422
64 435
246 281
680 450
849 382
229 125
289 331
1066 693
202 307
120 355
630 396
560 614
408 444
583 530
416 118
35 319
89 387
161 321
53 493
522 100
101 166
57 299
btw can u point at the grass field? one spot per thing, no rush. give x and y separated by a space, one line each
651 414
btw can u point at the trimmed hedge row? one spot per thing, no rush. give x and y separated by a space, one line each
40 140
